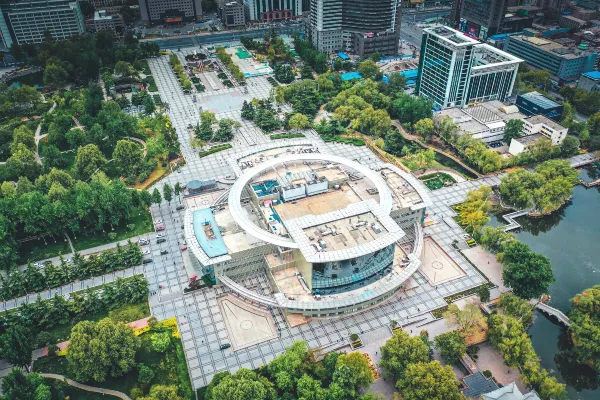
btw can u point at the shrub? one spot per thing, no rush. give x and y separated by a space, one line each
161 341
136 393
354 337
126 314
52 350
487 373
146 374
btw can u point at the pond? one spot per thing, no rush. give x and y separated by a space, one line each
569 238
450 163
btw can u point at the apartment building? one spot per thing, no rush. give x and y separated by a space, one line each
157 12
272 10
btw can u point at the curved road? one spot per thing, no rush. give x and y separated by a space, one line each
87 388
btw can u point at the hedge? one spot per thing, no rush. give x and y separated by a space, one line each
215 149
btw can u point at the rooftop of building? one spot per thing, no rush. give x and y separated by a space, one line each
489 56
525 140
552 46
453 36
595 75
540 119
540 100
484 116
102 15
510 392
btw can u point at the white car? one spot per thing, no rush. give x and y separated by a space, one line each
160 235
158 221
146 252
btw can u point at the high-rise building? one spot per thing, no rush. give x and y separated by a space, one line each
170 11
363 27
27 21
455 70
272 10
232 13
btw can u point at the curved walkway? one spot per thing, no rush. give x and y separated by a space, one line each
140 141
417 139
87 388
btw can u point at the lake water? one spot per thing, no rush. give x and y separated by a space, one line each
571 239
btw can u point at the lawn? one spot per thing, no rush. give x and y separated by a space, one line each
169 368
437 180
34 250
61 333
141 219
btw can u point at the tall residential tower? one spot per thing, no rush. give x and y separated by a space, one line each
455 70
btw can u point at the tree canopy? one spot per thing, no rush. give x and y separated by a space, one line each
527 273
429 381
585 326
400 351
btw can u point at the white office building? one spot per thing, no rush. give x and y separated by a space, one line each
456 70
27 21
535 128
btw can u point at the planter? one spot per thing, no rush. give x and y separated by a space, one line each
355 341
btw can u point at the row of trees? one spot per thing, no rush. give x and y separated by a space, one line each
185 82
20 326
234 69
507 334
587 103
318 61
585 327
297 374
35 279
20 101
474 211
546 189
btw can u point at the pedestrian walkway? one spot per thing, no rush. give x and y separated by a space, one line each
87 388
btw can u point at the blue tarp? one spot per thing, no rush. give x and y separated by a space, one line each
343 56
215 246
593 74
348 76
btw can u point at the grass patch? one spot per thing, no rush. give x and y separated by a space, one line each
437 180
33 250
286 136
342 139
141 218
215 149
155 175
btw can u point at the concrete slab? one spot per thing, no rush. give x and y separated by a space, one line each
436 265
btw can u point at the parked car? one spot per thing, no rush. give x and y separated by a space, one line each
163 252
225 346
158 221
181 207
146 252
161 235
144 243
161 240
160 228
183 248
147 261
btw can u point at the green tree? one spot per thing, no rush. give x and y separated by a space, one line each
149 106
93 99
494 238
452 346
429 381
513 130
527 273
376 56
517 308
23 135
122 68
18 386
284 74
22 163
145 374
306 72
474 211
569 147
89 159
43 393
161 341
247 111
55 76
467 320
156 197
16 345
299 121
243 385
9 253
483 292
400 351
167 192
508 336
396 83
352 372
128 157
98 350
163 392
585 326
337 64
425 128
369 70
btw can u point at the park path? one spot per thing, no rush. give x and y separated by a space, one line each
39 137
417 139
87 388
140 141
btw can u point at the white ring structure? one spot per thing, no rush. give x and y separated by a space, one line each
240 216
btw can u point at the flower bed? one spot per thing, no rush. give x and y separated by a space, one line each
286 136
341 139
